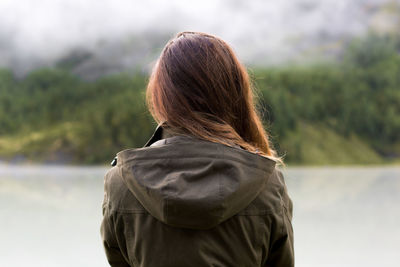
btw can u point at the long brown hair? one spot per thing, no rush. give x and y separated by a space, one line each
198 87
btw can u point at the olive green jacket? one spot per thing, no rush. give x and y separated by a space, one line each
181 201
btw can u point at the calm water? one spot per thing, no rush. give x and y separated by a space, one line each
50 216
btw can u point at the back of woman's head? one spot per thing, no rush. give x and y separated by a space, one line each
199 87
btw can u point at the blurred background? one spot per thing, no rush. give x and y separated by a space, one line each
72 81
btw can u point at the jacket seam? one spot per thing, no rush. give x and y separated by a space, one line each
130 211
268 169
258 213
220 187
126 211
282 209
260 241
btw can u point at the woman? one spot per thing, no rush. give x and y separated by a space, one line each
204 191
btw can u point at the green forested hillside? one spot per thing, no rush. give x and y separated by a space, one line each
346 112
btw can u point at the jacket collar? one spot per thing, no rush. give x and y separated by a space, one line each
162 132
157 135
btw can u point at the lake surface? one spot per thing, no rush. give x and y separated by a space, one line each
50 216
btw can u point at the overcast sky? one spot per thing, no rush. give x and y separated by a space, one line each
44 29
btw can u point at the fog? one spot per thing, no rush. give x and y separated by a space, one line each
121 34
343 216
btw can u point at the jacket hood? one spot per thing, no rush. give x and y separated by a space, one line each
191 183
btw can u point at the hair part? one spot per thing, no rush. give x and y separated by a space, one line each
199 88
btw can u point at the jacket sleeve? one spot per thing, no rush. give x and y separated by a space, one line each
114 255
281 249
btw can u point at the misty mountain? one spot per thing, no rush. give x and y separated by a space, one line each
133 53
93 40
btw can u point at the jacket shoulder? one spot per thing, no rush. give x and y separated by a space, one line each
117 196
272 199
275 206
